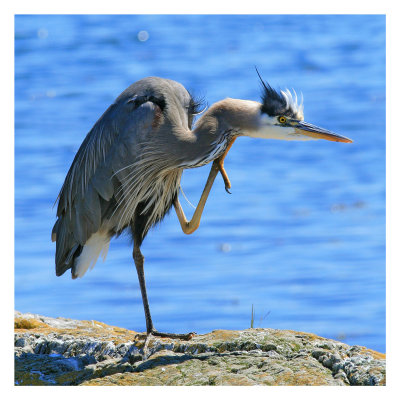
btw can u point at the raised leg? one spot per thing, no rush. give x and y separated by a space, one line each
139 262
189 227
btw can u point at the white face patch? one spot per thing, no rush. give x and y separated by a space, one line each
268 129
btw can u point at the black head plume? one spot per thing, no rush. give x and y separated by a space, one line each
276 103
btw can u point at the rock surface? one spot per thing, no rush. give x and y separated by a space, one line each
60 351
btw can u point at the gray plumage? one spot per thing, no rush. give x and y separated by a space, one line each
130 161
127 172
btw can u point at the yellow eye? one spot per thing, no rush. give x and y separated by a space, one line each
282 119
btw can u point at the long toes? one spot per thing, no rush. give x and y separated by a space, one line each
184 336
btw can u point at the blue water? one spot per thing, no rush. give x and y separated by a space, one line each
302 237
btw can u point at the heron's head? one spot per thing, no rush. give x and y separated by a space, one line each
282 118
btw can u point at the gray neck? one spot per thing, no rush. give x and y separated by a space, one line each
236 115
213 131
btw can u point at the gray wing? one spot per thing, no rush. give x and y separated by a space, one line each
92 182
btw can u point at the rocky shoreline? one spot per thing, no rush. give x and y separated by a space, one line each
60 351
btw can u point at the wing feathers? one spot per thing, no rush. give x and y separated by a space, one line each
101 163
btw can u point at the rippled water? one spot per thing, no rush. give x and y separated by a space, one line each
302 237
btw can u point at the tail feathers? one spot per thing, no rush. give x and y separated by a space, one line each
67 248
97 245
72 255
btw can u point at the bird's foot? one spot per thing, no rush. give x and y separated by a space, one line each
153 332
220 165
183 336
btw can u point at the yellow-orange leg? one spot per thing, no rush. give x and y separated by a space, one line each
189 227
220 164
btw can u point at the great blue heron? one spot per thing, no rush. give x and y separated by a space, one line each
127 172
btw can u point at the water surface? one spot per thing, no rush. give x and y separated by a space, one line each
302 237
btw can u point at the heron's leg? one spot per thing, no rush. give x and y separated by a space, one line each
220 163
189 227
139 262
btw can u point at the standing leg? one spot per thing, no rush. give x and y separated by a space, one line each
139 262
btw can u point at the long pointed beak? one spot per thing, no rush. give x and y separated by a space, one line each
304 128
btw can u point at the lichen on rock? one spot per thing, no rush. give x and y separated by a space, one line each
60 351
